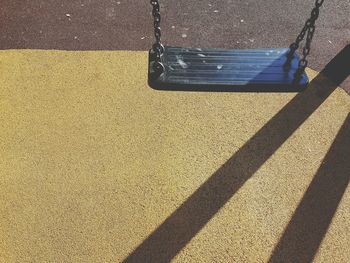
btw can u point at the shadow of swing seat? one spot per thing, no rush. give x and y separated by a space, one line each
259 70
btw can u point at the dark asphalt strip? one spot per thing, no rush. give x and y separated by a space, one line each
127 25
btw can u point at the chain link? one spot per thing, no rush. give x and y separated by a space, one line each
157 48
309 31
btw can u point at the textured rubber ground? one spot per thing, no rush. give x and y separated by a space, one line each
97 167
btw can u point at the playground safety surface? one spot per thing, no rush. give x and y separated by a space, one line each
98 167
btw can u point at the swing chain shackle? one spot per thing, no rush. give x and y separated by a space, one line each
157 47
309 31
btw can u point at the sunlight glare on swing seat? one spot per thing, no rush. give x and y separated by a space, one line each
227 70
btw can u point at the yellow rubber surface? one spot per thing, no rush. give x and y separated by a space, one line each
93 162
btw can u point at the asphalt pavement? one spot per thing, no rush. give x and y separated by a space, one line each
127 25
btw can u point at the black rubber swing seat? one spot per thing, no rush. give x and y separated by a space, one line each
195 69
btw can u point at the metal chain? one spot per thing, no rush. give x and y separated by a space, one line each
308 30
157 48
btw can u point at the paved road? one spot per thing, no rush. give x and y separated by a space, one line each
126 25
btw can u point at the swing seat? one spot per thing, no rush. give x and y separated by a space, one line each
195 69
